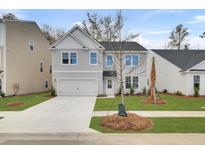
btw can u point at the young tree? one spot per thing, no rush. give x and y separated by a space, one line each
51 33
177 37
202 35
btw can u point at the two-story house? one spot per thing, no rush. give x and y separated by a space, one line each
83 66
25 58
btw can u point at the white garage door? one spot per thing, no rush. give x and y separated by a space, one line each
77 87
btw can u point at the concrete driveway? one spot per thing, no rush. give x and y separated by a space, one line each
57 115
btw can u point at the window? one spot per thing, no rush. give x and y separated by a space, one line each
109 60
128 60
196 81
109 84
46 83
131 60
73 58
41 66
135 82
93 58
50 69
31 45
127 82
69 58
65 58
131 82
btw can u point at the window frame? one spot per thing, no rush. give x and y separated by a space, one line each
90 52
69 57
132 55
107 60
32 45
131 82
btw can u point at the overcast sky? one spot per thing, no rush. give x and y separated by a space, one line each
154 26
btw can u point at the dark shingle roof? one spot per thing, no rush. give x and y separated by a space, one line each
124 46
184 59
109 73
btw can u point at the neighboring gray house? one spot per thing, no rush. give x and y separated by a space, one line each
83 66
179 70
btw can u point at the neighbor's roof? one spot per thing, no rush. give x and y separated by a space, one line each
122 46
184 59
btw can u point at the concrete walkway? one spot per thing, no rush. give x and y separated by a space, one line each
59 114
100 138
157 113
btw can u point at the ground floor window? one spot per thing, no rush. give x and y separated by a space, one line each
131 82
46 84
109 84
196 81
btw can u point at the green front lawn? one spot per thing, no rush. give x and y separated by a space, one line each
174 103
161 125
27 100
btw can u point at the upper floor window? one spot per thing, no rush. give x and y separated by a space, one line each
196 81
93 57
109 60
41 66
132 82
131 60
31 45
50 69
69 58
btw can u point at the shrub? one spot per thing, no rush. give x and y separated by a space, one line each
144 91
196 91
179 93
53 92
15 88
132 90
2 94
165 91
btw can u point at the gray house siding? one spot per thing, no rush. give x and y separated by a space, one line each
140 71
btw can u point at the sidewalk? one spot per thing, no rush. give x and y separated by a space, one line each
156 113
105 139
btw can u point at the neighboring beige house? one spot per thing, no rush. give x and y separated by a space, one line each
25 58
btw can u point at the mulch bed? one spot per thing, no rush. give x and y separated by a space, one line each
131 122
14 104
184 96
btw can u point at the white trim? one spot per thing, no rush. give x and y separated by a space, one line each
76 26
4 62
70 33
90 57
195 65
132 81
57 82
131 60
69 57
77 71
106 60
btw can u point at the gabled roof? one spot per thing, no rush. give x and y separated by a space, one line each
184 59
70 33
123 46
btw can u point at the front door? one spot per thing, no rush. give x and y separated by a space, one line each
109 87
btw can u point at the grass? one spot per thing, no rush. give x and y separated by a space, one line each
174 103
161 125
28 100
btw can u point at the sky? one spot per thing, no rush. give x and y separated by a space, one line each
154 26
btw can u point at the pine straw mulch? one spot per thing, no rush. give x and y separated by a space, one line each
14 104
131 122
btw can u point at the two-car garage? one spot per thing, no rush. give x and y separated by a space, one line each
77 87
